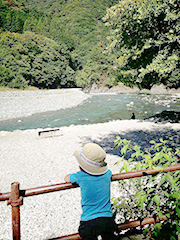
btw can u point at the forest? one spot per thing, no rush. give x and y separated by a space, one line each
77 43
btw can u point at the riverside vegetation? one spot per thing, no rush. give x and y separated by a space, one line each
76 43
150 195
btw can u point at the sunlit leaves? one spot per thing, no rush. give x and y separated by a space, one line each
154 195
30 59
145 36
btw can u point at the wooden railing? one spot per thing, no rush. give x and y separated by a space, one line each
15 199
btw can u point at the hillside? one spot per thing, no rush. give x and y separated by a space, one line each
76 26
100 42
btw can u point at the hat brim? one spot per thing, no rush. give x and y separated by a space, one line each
93 170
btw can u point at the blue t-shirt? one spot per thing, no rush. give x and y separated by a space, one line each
95 194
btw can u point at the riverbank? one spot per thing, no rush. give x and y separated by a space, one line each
36 161
121 88
16 104
24 103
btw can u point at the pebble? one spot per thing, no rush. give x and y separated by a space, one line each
17 104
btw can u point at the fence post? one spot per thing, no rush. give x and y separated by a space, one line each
15 202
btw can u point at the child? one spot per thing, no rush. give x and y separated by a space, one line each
94 180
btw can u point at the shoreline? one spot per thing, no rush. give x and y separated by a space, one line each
121 88
17 104
39 161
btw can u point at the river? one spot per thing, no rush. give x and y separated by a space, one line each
97 109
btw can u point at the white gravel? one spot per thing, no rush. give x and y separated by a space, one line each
14 104
38 161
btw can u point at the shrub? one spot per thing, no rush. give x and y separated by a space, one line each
35 60
150 195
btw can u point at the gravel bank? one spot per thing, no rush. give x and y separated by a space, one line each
38 161
14 104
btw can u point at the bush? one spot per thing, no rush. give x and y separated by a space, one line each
31 59
150 195
11 19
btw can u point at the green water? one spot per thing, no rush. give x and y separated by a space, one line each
97 109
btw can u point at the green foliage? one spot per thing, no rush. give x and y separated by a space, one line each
96 69
79 25
143 46
11 19
150 195
145 38
75 25
30 59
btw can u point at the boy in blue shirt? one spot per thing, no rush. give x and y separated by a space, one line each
94 180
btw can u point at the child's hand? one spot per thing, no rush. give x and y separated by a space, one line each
67 178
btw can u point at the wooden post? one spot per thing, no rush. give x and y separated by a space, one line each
15 202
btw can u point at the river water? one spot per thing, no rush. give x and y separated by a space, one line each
97 109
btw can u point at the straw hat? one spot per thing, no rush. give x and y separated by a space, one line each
91 159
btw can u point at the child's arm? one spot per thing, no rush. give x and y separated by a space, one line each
67 178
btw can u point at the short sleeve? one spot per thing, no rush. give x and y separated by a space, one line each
74 178
110 173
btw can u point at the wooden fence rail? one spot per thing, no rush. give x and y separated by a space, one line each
15 198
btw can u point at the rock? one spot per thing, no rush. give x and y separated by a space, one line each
166 116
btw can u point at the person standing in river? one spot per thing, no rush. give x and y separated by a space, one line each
133 116
94 180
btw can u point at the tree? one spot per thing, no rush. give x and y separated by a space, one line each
11 19
145 36
79 25
76 25
31 59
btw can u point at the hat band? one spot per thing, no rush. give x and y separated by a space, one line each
90 162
